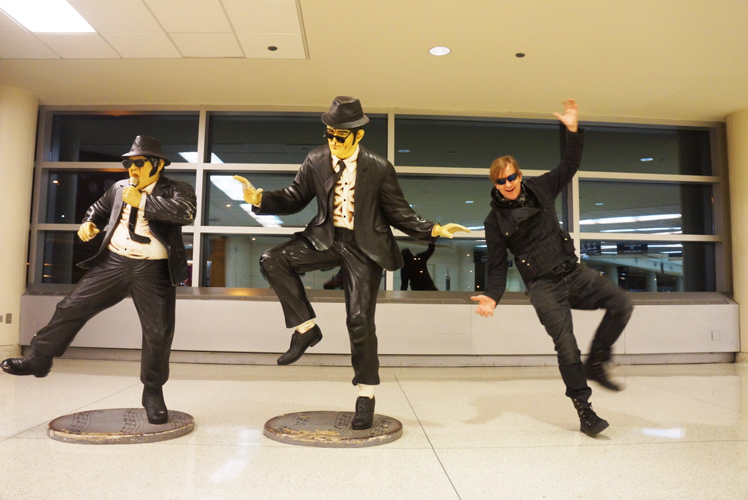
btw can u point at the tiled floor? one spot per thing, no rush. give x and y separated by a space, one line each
677 432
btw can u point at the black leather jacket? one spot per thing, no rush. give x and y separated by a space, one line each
532 233
170 206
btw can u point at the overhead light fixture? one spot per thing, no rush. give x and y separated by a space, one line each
439 51
46 16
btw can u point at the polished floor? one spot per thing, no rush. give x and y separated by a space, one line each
677 432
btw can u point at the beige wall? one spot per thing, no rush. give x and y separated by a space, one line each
737 159
18 116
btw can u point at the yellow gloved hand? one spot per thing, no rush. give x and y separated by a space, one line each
448 230
87 231
251 195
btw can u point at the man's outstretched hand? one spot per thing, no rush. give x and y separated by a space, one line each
251 195
448 230
486 305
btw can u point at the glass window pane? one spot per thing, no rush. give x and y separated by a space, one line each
226 207
108 137
646 151
619 207
62 250
278 139
461 200
457 265
667 266
233 261
474 144
71 192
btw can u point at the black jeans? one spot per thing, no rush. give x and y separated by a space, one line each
104 285
282 265
580 288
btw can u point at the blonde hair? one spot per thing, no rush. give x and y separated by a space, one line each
500 164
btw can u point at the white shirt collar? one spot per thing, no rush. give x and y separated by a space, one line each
350 163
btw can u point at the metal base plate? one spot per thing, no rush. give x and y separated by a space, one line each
118 426
331 429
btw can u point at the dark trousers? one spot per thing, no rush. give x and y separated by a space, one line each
282 265
104 285
582 288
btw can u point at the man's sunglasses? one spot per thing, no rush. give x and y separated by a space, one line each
137 163
511 178
329 135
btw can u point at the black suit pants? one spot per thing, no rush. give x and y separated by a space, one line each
104 285
282 265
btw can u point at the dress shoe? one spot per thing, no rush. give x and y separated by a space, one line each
596 371
155 408
590 423
364 417
34 363
300 342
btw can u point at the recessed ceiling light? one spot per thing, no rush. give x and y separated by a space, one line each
439 51
46 16
519 55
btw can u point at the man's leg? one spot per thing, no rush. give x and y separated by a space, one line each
155 300
590 290
281 266
100 288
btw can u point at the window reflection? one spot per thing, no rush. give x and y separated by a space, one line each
278 139
634 207
107 137
666 266
646 151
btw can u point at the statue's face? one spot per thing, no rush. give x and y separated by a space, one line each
342 142
143 174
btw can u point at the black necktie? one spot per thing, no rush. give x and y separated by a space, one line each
131 226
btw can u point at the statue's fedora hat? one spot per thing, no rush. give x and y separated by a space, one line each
345 113
146 146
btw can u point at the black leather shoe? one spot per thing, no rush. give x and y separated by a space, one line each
590 423
34 363
300 342
596 371
155 408
364 417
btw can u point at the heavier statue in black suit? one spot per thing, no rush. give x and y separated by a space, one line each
142 255
358 199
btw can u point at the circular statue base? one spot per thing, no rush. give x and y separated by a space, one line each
331 429
118 426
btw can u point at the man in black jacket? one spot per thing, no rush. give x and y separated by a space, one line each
358 198
142 255
523 220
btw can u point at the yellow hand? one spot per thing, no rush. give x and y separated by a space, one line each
448 230
251 195
131 196
87 231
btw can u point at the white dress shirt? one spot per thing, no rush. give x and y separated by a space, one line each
345 191
122 244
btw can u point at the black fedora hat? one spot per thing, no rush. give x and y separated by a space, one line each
345 113
146 146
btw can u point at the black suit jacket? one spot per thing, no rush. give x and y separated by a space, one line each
170 206
379 203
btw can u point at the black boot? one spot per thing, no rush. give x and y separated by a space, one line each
590 423
300 342
155 407
595 370
34 363
364 417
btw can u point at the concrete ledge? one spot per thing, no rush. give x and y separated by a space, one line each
9 351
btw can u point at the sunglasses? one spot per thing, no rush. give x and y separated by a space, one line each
137 163
511 178
329 135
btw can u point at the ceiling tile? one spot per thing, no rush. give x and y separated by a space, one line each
78 45
8 25
24 46
207 44
190 16
142 45
117 16
263 16
289 45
